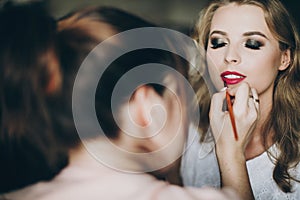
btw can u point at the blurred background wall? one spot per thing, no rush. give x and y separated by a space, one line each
176 14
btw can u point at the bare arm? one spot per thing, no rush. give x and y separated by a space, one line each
234 174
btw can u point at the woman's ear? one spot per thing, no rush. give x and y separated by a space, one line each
140 102
285 60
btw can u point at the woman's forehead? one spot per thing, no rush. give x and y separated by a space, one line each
240 18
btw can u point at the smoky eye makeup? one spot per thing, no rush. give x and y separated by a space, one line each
253 44
216 42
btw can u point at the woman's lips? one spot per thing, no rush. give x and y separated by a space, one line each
231 78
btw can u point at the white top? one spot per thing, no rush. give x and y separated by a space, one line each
199 168
88 179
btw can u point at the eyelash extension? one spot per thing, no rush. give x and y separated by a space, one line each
253 44
217 43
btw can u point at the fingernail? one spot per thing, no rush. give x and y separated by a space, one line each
223 89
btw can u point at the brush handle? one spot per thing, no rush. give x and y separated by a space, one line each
230 110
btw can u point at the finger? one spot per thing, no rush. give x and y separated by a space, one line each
255 98
256 101
252 116
241 98
216 114
217 102
252 107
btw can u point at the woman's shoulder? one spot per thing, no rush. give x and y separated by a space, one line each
260 170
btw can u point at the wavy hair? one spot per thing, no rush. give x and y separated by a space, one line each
284 117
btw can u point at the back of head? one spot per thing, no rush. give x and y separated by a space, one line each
82 31
30 77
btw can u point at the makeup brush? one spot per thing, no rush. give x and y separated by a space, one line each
231 115
229 108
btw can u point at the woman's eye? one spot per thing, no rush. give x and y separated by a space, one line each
217 43
253 44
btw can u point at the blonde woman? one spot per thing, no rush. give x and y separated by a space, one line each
252 47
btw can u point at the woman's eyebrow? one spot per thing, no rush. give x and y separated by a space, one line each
250 33
218 32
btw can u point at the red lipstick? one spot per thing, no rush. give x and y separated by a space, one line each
231 77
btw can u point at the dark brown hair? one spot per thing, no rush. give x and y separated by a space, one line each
29 149
77 40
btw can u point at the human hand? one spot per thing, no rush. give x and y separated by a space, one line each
245 112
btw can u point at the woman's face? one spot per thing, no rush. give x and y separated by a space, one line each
242 48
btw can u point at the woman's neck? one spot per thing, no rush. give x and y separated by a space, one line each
102 152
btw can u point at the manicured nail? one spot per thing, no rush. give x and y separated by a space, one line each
223 89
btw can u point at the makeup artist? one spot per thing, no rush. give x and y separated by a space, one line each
252 47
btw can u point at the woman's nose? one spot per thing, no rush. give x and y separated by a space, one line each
232 56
